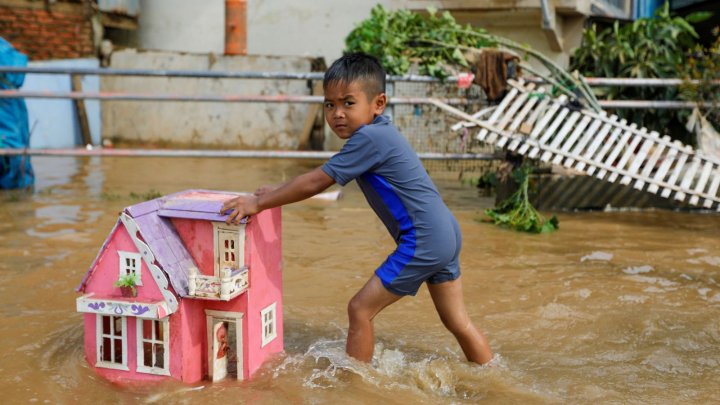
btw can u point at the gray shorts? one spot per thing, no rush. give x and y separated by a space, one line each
433 260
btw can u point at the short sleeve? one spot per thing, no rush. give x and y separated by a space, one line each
357 156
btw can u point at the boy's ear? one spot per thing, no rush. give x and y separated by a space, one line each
380 102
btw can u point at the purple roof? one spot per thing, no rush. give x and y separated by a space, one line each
159 234
196 204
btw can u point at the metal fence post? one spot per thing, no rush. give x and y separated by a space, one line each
390 92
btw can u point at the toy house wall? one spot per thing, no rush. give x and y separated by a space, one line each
101 283
188 343
107 270
176 352
194 339
264 256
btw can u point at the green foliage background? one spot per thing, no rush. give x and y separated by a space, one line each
656 47
400 38
703 65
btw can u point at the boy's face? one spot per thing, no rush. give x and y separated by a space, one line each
347 107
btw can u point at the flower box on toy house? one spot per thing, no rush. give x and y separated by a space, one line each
208 296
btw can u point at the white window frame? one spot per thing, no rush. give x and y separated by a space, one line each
99 335
268 320
238 232
165 342
123 268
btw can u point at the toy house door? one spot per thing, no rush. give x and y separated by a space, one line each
220 350
225 358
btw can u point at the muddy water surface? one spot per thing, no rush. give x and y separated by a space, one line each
616 307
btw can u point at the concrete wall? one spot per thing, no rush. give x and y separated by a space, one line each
292 28
279 27
287 27
318 28
54 122
213 124
525 27
182 25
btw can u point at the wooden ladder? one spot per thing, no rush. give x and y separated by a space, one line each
530 122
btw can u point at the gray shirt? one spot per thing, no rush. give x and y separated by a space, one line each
397 187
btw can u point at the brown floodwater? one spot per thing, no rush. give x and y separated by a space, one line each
615 307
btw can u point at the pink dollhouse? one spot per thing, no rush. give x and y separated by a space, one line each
209 295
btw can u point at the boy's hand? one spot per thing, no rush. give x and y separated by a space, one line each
241 207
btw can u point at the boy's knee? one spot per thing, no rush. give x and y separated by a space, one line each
456 325
355 308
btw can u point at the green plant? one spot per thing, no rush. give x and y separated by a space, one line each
646 48
701 69
516 212
442 47
400 38
137 196
12 195
149 195
110 196
128 281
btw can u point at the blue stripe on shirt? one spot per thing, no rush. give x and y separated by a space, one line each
406 245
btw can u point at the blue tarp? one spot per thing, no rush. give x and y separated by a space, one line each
15 171
646 8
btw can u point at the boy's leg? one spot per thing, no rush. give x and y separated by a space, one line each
449 303
363 307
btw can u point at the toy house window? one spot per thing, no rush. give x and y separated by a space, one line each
153 351
269 324
229 247
111 340
130 264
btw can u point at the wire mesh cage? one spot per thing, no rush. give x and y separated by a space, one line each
427 128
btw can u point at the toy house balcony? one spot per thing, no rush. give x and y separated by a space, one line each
230 284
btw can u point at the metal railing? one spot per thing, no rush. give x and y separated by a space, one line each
308 99
199 73
281 98
254 154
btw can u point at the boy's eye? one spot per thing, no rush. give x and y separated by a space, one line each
349 103
328 105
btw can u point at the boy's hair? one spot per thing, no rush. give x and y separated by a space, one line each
357 67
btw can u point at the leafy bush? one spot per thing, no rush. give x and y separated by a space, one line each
703 66
646 48
400 38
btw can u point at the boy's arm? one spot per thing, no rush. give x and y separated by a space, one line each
297 189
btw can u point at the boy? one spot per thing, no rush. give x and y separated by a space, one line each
400 192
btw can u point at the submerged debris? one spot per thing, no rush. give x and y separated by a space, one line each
517 213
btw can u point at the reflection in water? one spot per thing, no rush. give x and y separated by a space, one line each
615 307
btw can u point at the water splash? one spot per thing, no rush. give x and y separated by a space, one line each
598 256
638 269
392 369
